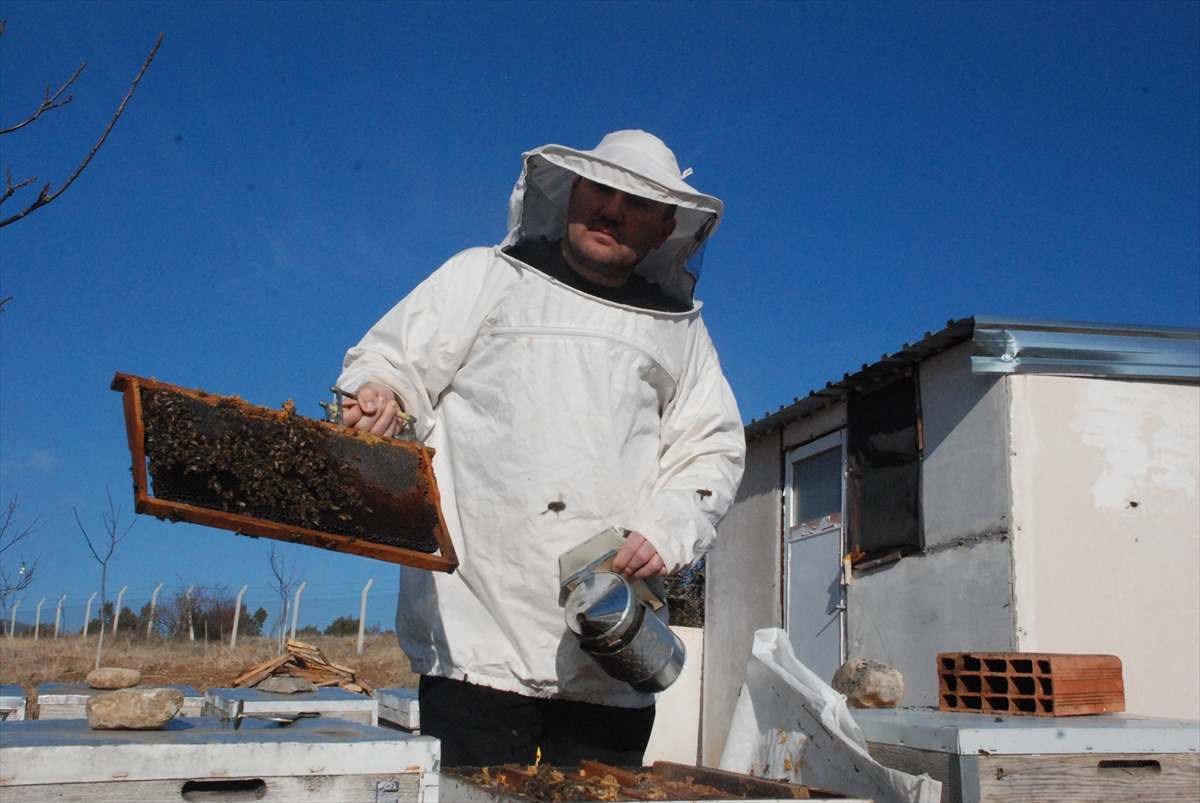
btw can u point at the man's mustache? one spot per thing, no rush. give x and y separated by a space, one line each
603 225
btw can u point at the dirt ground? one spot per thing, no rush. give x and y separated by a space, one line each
201 665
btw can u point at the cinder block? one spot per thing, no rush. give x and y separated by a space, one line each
1030 683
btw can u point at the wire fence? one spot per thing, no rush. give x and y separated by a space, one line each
203 612
207 611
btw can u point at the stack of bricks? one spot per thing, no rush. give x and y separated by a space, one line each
1030 683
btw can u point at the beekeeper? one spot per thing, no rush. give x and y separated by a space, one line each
567 381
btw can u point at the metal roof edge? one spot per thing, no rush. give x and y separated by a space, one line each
1086 327
888 366
964 329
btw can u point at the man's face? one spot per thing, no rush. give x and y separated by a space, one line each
609 231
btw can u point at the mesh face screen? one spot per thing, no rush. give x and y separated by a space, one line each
223 454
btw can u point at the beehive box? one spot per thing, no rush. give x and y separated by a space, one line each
664 781
1030 683
328 701
69 700
12 702
399 707
206 759
221 462
986 758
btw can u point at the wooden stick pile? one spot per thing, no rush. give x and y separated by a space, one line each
303 661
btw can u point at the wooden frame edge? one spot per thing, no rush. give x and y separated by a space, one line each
130 386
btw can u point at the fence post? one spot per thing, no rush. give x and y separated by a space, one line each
117 610
237 615
296 608
37 625
12 630
362 614
187 604
87 615
153 601
58 615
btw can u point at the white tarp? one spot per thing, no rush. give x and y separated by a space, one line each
791 725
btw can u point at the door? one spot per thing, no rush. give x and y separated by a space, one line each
814 599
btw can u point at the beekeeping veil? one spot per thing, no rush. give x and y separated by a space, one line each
631 161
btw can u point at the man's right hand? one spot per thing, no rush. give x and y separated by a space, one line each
374 411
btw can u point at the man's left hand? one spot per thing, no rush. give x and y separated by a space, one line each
638 558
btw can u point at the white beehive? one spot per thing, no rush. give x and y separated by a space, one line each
12 702
399 707
984 757
69 700
329 702
205 758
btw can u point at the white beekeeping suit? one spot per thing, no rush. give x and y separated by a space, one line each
532 393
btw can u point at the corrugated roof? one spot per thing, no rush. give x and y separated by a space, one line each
1020 345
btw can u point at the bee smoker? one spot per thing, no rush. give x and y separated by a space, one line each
620 623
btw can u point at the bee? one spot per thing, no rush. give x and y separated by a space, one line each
555 507
704 493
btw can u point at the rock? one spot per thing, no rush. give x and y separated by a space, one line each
134 709
869 684
111 677
286 685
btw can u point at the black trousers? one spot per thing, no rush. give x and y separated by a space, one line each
482 727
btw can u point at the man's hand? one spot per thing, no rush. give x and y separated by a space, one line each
638 558
375 411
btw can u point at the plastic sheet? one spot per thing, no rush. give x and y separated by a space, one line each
789 724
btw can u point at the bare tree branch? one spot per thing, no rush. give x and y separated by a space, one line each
10 188
12 533
45 196
113 536
49 103
285 580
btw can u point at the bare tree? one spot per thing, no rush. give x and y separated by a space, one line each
50 102
286 579
102 550
11 534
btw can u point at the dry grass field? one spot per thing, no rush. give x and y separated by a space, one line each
192 663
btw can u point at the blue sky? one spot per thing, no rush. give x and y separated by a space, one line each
286 172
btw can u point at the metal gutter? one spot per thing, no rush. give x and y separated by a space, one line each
1068 348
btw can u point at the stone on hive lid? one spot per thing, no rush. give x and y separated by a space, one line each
869 684
284 685
111 677
134 709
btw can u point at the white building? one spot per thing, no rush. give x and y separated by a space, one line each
1001 485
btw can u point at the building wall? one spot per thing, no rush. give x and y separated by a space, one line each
1106 538
676 733
964 474
957 596
952 600
742 589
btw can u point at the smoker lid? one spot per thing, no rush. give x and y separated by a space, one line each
602 604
